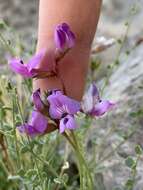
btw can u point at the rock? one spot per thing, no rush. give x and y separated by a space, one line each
21 15
116 13
126 88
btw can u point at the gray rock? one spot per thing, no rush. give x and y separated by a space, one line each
21 15
126 88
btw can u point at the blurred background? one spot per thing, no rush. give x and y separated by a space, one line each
122 21
23 16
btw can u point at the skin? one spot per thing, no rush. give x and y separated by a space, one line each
82 16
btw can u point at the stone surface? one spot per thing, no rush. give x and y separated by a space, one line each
21 15
126 88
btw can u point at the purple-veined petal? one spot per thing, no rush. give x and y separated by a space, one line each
19 67
90 98
94 93
64 37
55 109
38 103
65 27
69 35
60 39
101 108
68 122
62 126
38 121
35 60
37 125
70 39
61 104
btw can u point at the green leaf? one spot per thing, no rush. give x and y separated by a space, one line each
129 184
130 162
6 108
24 149
65 178
31 172
49 184
21 172
58 180
2 24
138 150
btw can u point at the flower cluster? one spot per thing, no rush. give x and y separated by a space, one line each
56 107
64 40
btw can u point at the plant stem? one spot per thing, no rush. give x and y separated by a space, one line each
2 39
46 163
81 161
62 169
39 174
86 166
14 127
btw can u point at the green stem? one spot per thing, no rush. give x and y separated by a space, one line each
4 168
15 137
135 170
19 107
4 42
39 174
62 169
83 160
5 154
46 163
82 168
79 160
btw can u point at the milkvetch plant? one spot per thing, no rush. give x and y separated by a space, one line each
58 107
53 107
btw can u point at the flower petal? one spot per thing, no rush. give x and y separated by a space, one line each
60 39
62 126
38 121
101 108
35 60
37 100
27 129
19 67
71 39
94 93
64 37
61 104
67 122
65 27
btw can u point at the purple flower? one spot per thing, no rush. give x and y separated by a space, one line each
64 37
94 93
61 105
99 107
28 70
36 98
63 108
37 125
68 122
